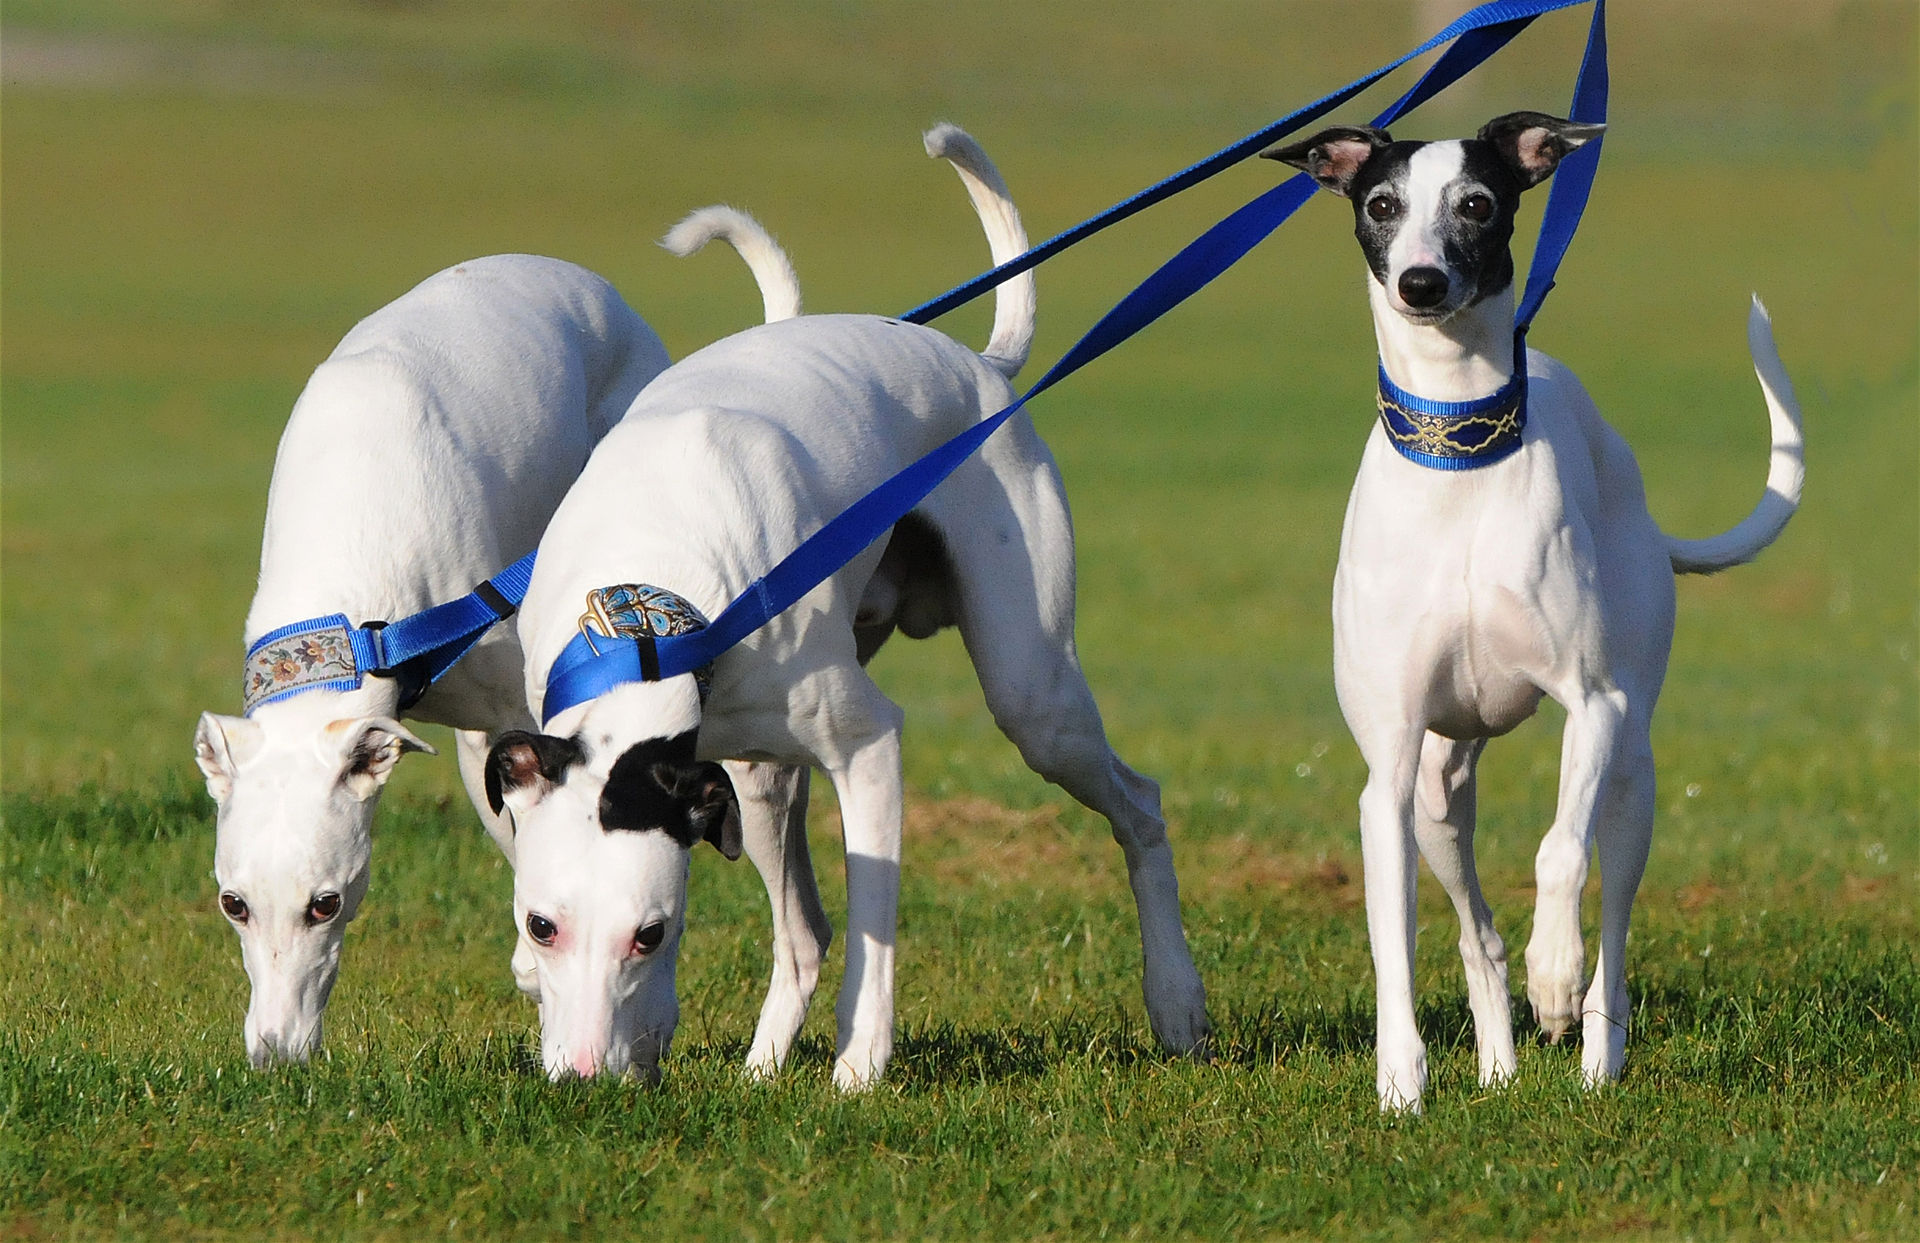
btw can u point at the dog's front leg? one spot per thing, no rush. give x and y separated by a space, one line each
1387 855
866 777
470 746
773 812
1626 834
1556 953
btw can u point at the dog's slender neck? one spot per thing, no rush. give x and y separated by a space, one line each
1468 357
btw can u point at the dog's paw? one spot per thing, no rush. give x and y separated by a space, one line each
1556 968
1400 1078
1177 1008
1603 1047
850 1078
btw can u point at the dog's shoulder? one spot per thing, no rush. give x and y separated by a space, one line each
1560 406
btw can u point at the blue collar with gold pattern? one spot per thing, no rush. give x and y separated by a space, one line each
1454 435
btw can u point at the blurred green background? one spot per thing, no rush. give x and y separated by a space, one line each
199 197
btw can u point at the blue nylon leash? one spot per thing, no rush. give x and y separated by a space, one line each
1477 35
1518 13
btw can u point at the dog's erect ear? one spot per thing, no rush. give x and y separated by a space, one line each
1533 143
523 766
368 749
1333 156
658 784
219 746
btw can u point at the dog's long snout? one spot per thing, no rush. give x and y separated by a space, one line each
1422 288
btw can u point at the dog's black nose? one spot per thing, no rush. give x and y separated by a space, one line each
1421 288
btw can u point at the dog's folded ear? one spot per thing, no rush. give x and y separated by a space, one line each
1332 157
713 813
523 766
658 784
220 744
1533 143
369 748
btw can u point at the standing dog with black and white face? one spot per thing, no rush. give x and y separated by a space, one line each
725 463
426 453
1463 595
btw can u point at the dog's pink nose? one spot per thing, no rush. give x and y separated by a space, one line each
585 1064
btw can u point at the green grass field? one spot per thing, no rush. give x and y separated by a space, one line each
201 197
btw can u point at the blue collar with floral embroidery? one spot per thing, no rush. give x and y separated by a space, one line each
331 653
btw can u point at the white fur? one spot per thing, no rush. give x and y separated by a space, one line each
425 454
1459 600
1015 299
779 287
739 452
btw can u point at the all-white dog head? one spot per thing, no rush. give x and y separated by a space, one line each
1435 219
295 790
604 827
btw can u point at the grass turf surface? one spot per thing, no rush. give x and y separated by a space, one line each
186 232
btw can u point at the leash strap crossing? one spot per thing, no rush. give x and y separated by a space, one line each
1476 36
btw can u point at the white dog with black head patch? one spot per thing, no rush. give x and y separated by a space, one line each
1497 548
724 464
425 454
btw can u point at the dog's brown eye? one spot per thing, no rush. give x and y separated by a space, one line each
234 906
323 908
1477 207
648 938
1382 208
541 929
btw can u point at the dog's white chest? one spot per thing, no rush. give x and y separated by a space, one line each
1437 604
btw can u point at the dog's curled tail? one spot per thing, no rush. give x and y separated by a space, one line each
1785 470
772 270
1014 301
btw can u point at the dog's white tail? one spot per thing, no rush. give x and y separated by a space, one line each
1785 470
1013 301
772 270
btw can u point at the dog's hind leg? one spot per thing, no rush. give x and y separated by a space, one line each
1443 823
773 825
1625 836
1050 715
1556 953
1014 574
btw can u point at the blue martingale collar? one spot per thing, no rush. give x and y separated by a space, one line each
331 653
619 643
322 653
1454 435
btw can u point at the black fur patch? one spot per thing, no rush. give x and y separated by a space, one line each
1478 252
658 784
518 758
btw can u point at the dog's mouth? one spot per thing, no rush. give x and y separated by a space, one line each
1427 316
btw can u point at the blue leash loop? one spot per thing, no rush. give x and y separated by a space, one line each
1476 36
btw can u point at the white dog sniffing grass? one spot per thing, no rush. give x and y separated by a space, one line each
724 464
425 454
1464 595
